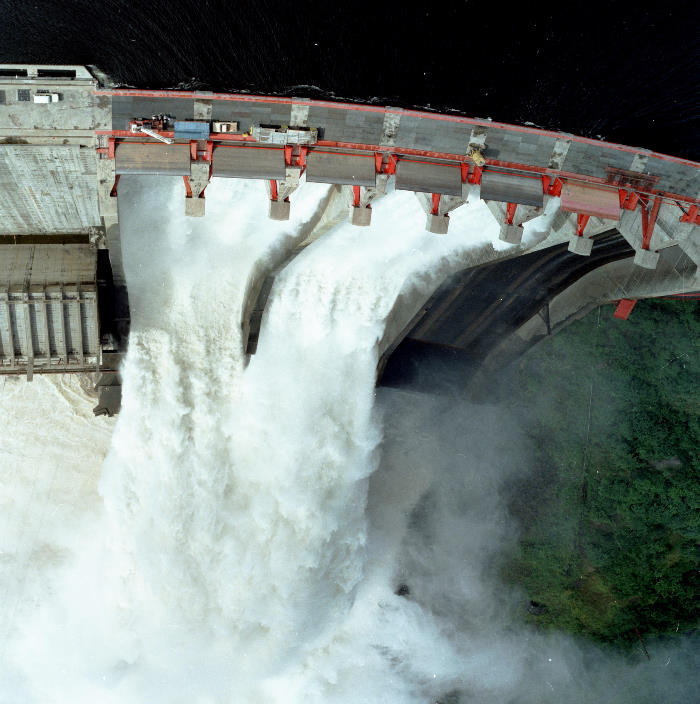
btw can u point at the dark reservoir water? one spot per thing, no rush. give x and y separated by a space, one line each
622 72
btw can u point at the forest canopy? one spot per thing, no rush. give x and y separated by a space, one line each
610 527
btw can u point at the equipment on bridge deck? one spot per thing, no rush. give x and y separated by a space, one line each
477 157
222 127
152 126
282 134
192 129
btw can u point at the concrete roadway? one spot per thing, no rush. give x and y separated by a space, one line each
477 308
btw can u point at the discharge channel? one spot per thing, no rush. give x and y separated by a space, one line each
232 563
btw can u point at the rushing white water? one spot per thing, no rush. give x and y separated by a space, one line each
236 497
239 495
254 534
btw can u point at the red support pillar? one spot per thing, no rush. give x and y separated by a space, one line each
301 162
111 146
391 163
624 308
475 178
628 199
436 203
551 186
188 189
692 216
510 212
273 189
581 222
356 196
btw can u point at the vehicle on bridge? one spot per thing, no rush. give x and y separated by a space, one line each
282 134
152 126
224 127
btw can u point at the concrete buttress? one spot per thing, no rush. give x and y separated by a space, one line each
198 181
438 220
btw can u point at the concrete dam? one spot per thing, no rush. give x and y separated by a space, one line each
580 221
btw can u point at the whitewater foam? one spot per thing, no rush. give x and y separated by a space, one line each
239 494
250 550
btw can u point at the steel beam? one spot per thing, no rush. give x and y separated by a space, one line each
62 321
81 357
11 337
45 324
29 343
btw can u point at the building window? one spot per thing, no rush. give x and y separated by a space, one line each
24 95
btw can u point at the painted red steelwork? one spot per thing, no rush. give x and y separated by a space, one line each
390 167
436 204
301 161
234 146
188 188
552 180
581 222
475 178
628 199
356 196
273 189
295 158
416 161
624 308
692 216
552 185
510 212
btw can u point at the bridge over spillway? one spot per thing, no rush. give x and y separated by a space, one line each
67 136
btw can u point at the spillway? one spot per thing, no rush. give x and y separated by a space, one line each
234 540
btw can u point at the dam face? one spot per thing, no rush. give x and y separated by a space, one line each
67 137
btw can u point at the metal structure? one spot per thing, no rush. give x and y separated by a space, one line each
67 137
49 325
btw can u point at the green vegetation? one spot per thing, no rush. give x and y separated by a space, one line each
610 516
